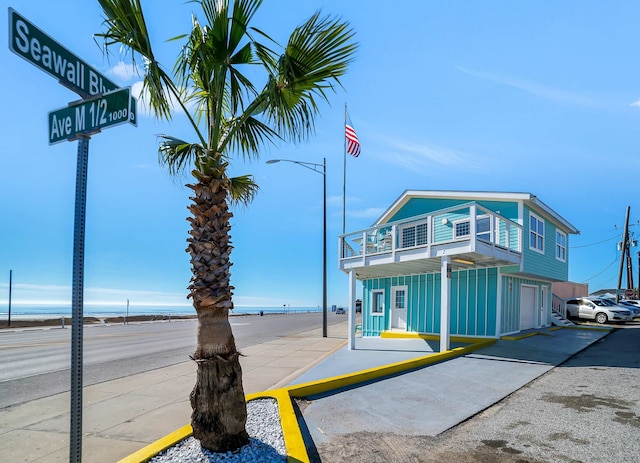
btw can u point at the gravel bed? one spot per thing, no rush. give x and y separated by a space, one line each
266 445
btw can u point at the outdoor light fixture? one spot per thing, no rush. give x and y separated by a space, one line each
463 261
316 168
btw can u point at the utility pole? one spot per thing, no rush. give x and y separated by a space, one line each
629 267
625 244
11 277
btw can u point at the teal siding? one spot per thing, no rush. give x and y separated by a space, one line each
373 325
473 303
419 206
444 231
510 310
546 265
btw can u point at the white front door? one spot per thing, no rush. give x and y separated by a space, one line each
399 307
528 312
544 309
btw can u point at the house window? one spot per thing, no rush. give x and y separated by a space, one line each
483 228
413 235
421 234
461 229
400 296
536 233
377 302
561 246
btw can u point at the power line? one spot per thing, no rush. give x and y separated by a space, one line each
593 244
602 271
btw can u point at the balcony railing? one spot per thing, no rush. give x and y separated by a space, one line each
469 223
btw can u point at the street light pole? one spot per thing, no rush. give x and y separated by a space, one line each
324 249
315 167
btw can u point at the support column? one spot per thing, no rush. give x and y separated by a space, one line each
351 337
445 303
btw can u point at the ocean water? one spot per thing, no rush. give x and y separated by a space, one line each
101 310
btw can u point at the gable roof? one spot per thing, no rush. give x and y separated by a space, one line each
528 198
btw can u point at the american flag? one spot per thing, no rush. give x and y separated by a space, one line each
353 145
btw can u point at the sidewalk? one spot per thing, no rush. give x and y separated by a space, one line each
428 401
126 414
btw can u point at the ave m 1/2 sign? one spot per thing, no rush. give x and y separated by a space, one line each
90 116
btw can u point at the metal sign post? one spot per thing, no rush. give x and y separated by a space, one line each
77 292
104 105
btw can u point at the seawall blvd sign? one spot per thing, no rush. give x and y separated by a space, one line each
33 45
87 117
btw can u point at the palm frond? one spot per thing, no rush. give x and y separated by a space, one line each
316 56
178 155
242 189
247 135
125 25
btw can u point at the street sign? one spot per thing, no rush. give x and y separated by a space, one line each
90 116
33 45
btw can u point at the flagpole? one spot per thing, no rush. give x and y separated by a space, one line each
344 181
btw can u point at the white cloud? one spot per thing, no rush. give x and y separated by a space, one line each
636 104
143 97
426 158
535 89
125 72
368 213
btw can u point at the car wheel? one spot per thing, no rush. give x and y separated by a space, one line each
601 317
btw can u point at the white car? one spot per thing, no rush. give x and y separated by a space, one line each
635 309
600 310
632 302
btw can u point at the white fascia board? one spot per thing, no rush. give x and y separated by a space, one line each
554 215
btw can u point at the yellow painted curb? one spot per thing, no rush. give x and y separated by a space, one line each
294 442
351 379
523 336
151 450
588 328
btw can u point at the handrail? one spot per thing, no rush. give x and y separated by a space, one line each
423 230
428 214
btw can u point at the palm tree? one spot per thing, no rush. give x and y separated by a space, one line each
231 117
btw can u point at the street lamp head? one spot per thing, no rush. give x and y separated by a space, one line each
273 161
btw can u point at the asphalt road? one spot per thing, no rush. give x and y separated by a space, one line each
36 363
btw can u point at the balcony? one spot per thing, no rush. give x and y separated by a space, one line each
470 234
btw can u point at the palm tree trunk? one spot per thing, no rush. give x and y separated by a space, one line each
218 402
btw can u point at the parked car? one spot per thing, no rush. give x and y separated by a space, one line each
635 310
340 311
600 310
632 302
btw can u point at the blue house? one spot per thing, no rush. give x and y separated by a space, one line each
475 264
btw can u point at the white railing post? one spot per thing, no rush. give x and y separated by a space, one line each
445 303
351 324
394 240
473 213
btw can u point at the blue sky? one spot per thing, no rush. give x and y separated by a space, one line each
529 96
